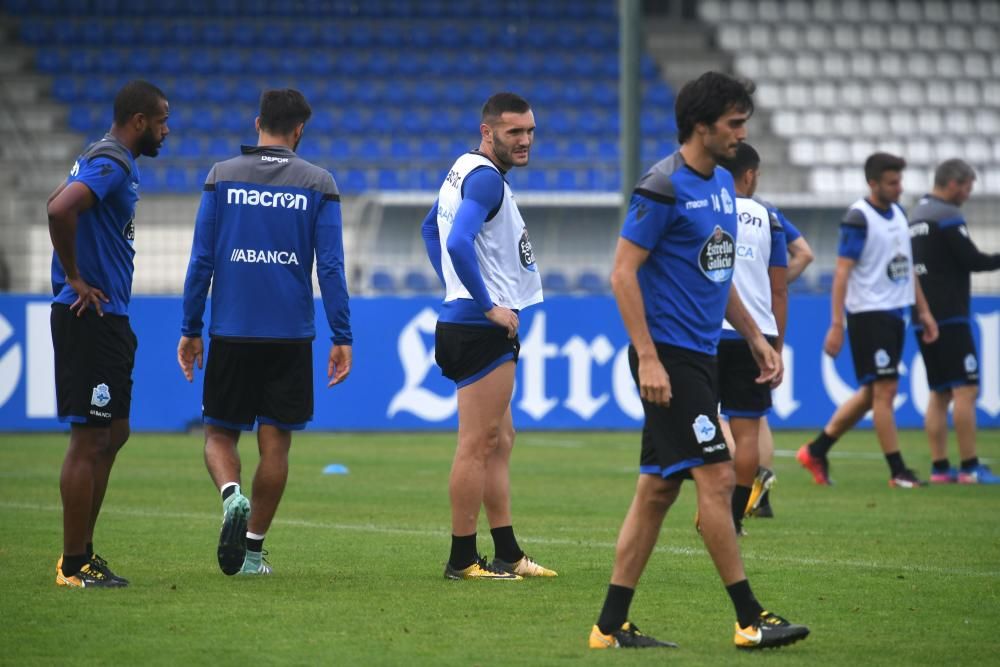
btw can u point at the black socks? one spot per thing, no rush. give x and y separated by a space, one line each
463 551
747 607
895 461
615 610
968 465
821 445
741 495
505 544
941 465
73 563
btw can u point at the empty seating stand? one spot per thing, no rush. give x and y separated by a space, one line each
393 83
920 77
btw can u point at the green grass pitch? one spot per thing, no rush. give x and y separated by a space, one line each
882 576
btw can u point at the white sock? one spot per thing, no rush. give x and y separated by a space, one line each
225 486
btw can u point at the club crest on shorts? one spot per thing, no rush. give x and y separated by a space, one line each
704 429
970 363
881 358
101 395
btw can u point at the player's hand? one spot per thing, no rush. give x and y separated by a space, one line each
834 340
190 350
772 367
340 364
86 296
654 383
504 317
930 333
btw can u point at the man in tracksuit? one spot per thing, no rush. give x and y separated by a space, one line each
943 258
264 215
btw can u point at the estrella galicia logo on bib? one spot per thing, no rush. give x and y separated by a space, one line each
101 395
971 365
129 231
525 252
717 256
898 269
881 358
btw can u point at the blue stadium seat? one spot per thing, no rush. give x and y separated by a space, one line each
64 89
555 282
221 148
379 75
389 179
591 283
419 282
383 282
185 146
179 180
352 181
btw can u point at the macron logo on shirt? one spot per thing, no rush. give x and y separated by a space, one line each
242 197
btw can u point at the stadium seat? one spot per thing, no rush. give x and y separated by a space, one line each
383 282
418 282
591 283
555 282
375 72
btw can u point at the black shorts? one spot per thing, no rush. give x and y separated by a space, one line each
951 360
94 357
686 433
466 352
876 345
266 382
740 395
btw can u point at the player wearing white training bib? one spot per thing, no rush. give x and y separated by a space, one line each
478 244
760 277
882 279
502 248
874 279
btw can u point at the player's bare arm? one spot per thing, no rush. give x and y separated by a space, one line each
339 366
190 350
63 208
835 335
767 358
779 301
930 332
800 255
654 383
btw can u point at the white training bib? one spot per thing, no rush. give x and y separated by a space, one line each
753 258
503 249
882 279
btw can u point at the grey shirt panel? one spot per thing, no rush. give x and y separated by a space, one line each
112 149
276 166
855 218
656 182
932 209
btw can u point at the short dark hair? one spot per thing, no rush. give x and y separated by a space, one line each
746 158
707 98
879 163
501 103
953 170
137 97
282 110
